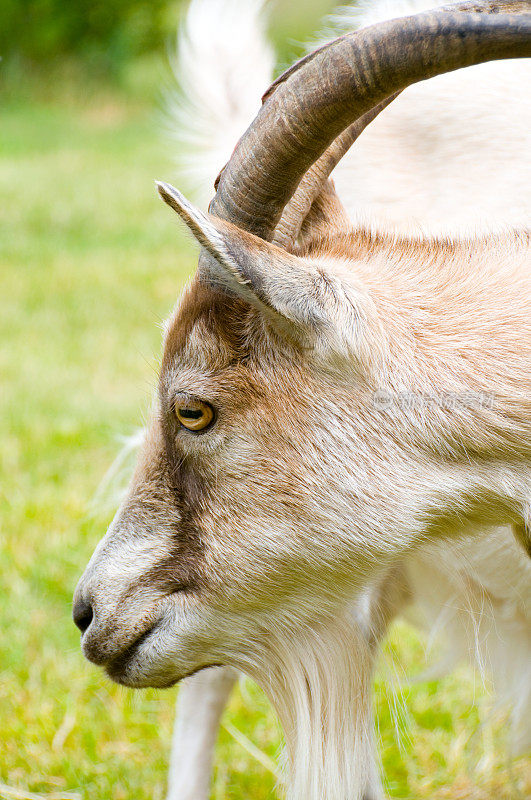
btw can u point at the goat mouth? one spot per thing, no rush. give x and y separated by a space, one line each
117 668
140 671
150 660
124 671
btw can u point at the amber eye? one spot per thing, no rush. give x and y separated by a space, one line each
194 416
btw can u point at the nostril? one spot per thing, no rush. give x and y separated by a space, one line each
82 614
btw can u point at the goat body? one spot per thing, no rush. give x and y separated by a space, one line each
368 399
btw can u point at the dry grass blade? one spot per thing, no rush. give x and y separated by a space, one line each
12 793
66 726
253 750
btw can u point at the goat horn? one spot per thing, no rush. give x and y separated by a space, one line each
298 206
307 109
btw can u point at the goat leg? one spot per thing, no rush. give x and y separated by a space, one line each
200 704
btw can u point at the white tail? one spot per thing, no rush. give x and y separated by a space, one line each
223 65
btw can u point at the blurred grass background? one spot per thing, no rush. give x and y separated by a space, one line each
90 264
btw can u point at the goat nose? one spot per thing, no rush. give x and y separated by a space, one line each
82 614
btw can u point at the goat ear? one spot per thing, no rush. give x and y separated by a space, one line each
231 255
298 296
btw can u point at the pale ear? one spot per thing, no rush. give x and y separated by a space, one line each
219 239
297 295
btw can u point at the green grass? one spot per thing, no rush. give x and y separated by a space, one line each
90 263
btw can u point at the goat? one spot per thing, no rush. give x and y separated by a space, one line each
289 489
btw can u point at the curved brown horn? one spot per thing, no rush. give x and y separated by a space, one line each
479 6
338 84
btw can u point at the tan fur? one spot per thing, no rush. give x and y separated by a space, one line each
458 319
303 484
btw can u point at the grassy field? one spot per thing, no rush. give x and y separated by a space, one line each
91 262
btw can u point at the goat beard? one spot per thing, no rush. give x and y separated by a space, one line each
319 679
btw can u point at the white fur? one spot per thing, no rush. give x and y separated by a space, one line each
479 599
478 122
445 158
320 680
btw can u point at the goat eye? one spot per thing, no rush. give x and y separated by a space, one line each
195 416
